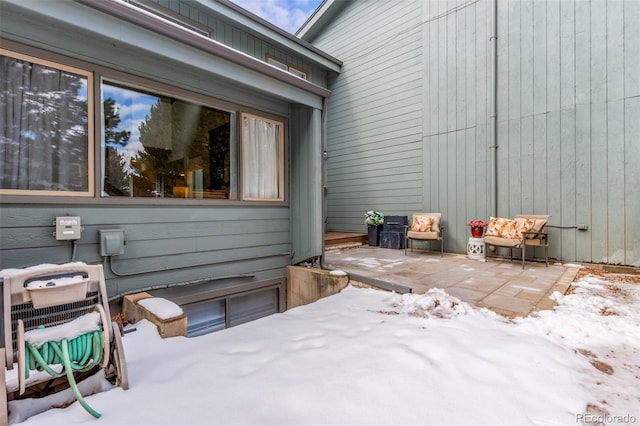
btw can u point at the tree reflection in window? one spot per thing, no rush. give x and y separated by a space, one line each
157 146
44 126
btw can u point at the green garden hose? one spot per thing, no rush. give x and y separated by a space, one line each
79 354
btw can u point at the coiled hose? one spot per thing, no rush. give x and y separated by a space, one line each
79 354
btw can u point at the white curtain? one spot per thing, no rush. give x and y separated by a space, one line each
261 158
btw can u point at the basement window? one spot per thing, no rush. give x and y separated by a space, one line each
205 317
212 315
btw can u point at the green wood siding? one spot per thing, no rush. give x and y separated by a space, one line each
246 243
232 35
306 184
410 122
374 114
174 244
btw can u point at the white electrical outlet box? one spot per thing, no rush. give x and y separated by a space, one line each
68 228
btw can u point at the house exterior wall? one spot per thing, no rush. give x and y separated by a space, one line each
306 182
231 34
566 124
374 119
215 247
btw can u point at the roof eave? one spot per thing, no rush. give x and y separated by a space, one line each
327 10
167 28
274 33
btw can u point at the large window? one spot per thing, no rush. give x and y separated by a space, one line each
157 146
262 159
156 143
44 127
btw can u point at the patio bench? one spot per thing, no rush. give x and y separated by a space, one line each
524 230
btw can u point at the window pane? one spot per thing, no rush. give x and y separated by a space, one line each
253 306
205 317
155 146
278 64
262 159
43 127
298 73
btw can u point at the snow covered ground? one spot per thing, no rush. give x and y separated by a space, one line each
371 357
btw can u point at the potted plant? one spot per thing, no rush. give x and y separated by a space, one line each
374 221
477 227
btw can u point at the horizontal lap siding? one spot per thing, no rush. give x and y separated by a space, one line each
164 244
181 244
374 113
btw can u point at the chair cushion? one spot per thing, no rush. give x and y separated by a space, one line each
536 242
510 242
421 223
435 224
537 227
540 222
431 235
502 242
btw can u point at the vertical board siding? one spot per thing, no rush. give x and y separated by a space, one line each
407 135
305 181
567 117
572 66
632 177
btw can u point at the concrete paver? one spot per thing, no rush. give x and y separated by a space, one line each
498 284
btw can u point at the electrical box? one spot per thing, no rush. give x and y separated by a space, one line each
111 242
68 228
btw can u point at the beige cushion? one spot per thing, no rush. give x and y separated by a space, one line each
502 242
435 225
510 242
540 222
432 235
537 227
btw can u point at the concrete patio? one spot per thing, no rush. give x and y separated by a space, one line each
498 284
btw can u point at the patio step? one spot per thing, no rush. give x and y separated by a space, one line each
334 240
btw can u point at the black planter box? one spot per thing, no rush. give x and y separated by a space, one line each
374 235
394 223
392 239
